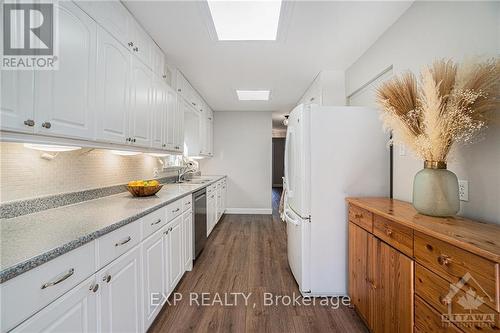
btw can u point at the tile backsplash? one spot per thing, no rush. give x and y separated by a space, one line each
24 174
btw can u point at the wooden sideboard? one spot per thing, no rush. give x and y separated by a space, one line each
411 272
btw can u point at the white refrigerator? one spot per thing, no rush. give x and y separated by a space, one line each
331 153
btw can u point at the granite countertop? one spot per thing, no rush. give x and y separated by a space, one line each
30 240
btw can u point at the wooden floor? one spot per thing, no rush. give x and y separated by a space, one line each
247 254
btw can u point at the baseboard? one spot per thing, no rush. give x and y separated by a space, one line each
263 211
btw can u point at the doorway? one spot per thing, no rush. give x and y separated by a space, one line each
278 161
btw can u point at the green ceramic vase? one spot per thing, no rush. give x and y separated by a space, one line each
435 190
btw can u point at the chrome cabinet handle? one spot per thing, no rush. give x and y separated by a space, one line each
125 241
170 229
175 211
29 122
166 232
163 145
59 279
188 203
130 44
154 223
164 76
47 125
94 287
106 278
136 49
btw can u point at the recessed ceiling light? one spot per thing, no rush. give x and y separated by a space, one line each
245 20
253 95
53 148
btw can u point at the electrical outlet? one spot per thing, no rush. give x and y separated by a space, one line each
402 150
463 190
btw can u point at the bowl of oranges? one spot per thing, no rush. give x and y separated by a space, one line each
144 188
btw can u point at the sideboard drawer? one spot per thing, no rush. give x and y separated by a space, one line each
361 217
29 292
453 263
153 221
440 294
429 320
393 233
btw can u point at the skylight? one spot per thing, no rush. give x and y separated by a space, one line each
253 95
245 20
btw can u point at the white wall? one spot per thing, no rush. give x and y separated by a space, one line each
428 31
242 151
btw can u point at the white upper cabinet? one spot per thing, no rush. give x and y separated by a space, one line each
142 43
16 101
140 104
158 61
65 98
159 113
112 16
183 107
113 67
169 131
75 311
121 294
192 137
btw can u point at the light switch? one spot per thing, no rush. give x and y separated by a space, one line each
463 190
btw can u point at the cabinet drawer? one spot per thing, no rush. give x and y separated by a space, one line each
153 221
429 320
393 233
361 217
29 292
453 263
174 209
117 242
187 203
438 292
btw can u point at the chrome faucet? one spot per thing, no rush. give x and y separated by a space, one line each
182 173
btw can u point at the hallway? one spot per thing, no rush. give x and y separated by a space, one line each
247 254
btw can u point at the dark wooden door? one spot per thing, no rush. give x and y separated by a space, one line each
278 161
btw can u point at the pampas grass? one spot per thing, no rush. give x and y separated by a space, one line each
449 105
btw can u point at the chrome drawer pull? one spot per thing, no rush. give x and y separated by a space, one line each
154 223
125 241
175 211
59 279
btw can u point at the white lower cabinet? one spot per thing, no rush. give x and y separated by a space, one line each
121 294
188 240
68 295
173 246
211 209
75 311
154 274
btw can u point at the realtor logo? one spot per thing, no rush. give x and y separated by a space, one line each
470 300
29 35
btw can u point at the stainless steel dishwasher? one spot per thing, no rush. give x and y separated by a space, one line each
200 221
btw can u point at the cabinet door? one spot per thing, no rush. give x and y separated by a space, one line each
113 70
154 275
121 294
179 125
169 126
175 260
219 201
75 311
211 212
192 131
224 197
188 240
140 105
16 101
210 136
392 290
142 43
158 61
358 270
112 16
65 98
159 110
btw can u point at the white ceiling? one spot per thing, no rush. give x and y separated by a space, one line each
314 36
